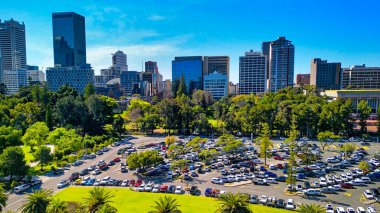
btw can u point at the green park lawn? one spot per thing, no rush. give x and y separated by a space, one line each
126 200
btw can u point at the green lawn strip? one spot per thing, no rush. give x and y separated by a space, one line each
126 200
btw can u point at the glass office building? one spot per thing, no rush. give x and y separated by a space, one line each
191 67
69 39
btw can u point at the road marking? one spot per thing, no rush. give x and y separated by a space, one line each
277 187
348 194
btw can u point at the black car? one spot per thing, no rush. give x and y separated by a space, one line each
280 203
171 189
83 172
306 184
194 190
111 163
74 176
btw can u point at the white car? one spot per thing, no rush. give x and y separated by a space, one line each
360 210
329 208
63 183
340 210
290 204
125 183
350 210
141 188
21 188
368 194
271 180
371 209
366 180
96 172
217 181
156 188
178 190
148 187
263 199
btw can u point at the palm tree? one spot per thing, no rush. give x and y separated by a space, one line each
234 203
98 198
311 208
57 206
38 201
3 198
166 205
107 209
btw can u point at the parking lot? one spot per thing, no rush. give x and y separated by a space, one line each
112 176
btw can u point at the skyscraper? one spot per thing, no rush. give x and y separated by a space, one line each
220 64
252 73
12 46
151 66
152 76
69 39
191 67
119 60
324 75
281 63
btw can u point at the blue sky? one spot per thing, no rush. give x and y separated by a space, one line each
347 31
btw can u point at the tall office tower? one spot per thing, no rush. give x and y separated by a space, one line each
252 73
361 77
324 75
191 68
130 82
216 83
119 59
151 66
220 64
69 39
281 63
12 46
302 79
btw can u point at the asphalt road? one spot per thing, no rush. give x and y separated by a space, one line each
15 201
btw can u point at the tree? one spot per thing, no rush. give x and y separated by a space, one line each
327 138
144 159
12 163
43 155
348 149
207 155
57 206
118 125
49 117
311 208
3 198
89 90
36 135
98 197
169 140
9 137
166 205
38 201
234 203
265 142
3 89
182 87
291 169
364 112
169 112
363 165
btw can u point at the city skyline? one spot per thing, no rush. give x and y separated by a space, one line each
161 33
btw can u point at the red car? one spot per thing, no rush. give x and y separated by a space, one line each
138 182
163 188
132 182
279 166
347 186
277 157
116 160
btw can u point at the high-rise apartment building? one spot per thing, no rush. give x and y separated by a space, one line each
280 55
119 60
12 46
361 77
15 79
325 75
152 75
69 39
220 64
191 68
302 79
252 73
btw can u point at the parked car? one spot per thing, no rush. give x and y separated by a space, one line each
21 188
253 199
63 183
290 204
368 194
178 190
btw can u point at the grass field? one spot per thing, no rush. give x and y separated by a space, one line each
126 200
